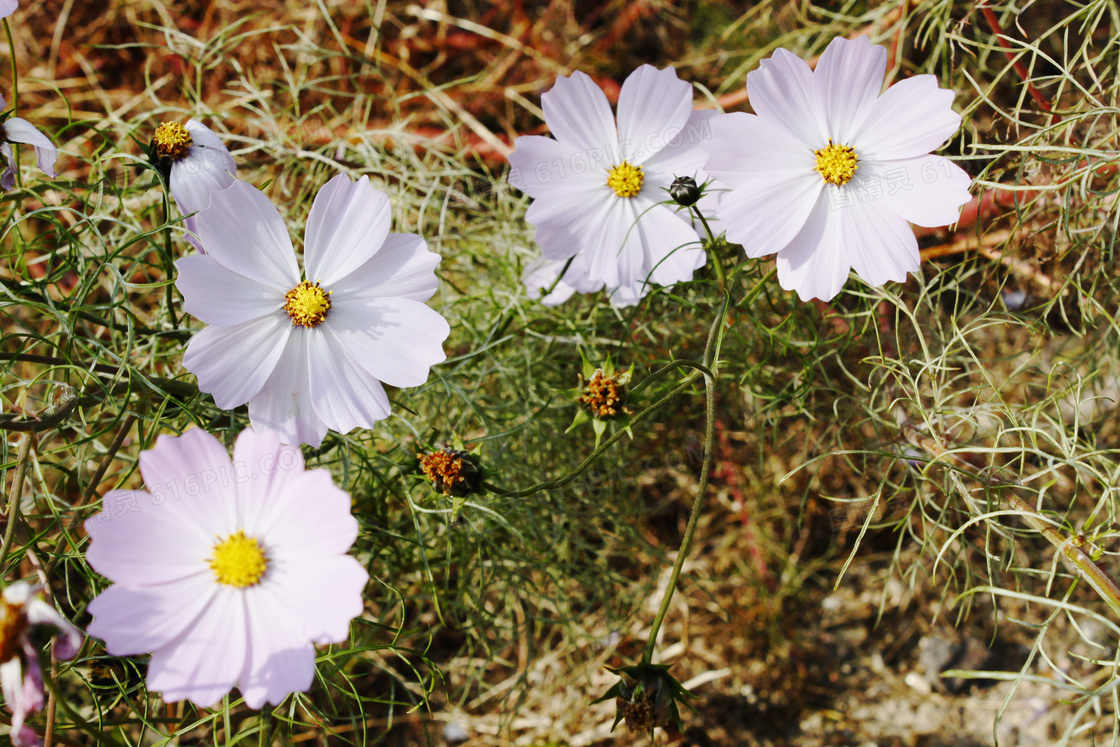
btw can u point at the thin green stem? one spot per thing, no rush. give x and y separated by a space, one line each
169 258
15 72
717 263
16 497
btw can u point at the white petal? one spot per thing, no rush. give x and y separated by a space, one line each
782 93
307 517
674 252
578 115
541 274
218 295
880 246
283 404
928 191
328 594
7 7
136 541
764 212
815 263
540 165
402 267
233 363
745 144
136 620
21 131
8 178
207 167
242 230
261 465
653 107
848 79
348 222
613 246
68 639
344 395
683 153
397 340
279 660
203 663
625 296
563 216
911 118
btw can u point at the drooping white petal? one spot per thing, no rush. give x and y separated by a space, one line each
674 250
579 116
653 107
880 246
848 79
21 131
202 664
815 263
347 225
343 394
927 191
329 589
782 92
206 168
218 295
402 267
283 404
540 166
68 639
279 661
629 295
541 274
138 619
911 118
8 178
397 340
612 244
745 144
138 541
243 231
765 211
233 363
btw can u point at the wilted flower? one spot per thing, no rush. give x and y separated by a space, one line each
17 130
828 172
597 186
309 352
646 696
453 472
21 675
601 396
228 572
195 164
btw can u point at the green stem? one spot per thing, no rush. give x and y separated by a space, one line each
15 72
14 501
711 356
168 258
717 263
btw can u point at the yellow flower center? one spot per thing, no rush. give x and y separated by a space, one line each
837 164
172 140
625 179
238 561
13 625
307 304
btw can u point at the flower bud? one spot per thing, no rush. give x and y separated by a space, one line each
684 191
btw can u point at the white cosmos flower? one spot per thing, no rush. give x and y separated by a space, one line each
597 186
200 165
228 572
829 171
17 130
542 274
309 352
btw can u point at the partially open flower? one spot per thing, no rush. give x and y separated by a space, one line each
195 164
16 130
22 611
453 472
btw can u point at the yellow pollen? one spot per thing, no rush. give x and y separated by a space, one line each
625 179
172 140
238 561
307 304
837 164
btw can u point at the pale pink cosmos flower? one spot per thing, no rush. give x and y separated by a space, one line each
7 7
597 187
17 130
831 170
309 352
22 610
200 165
227 571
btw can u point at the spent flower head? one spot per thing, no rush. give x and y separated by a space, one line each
231 581
830 172
646 696
601 396
452 470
